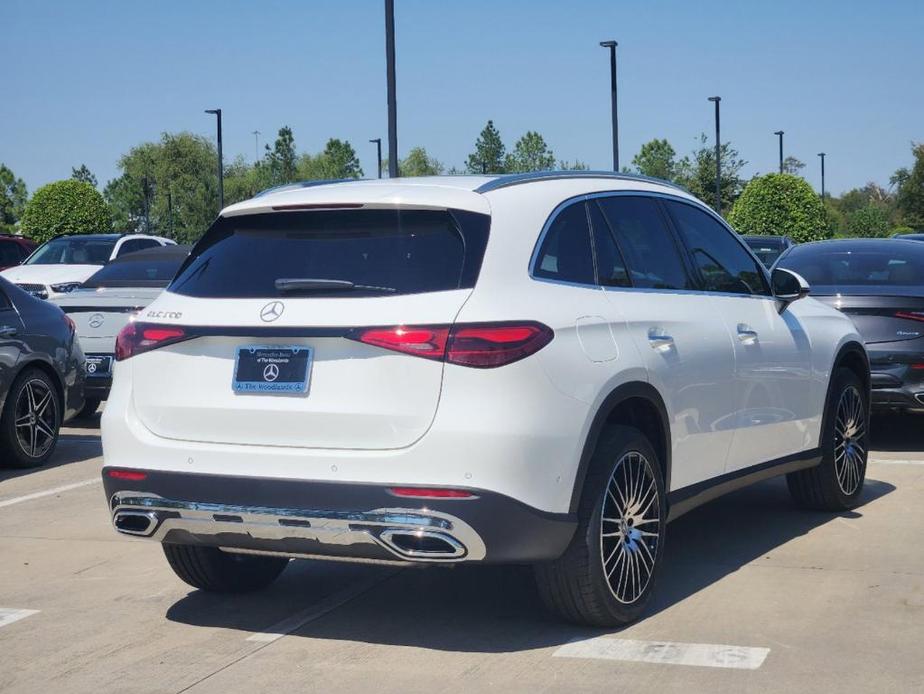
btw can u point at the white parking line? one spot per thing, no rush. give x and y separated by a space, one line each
331 602
48 492
665 653
892 461
8 615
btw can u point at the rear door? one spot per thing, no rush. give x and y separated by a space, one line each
683 341
267 296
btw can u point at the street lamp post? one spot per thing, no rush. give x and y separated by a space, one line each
221 169
378 149
822 155
390 73
256 144
612 46
779 133
718 157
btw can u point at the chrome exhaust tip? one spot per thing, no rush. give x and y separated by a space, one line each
421 544
919 397
135 522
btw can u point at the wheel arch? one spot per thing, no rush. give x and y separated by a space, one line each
853 355
636 404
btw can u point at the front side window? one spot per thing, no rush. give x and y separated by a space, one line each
565 254
723 263
651 253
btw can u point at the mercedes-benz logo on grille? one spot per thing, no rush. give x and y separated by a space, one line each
96 320
270 373
272 311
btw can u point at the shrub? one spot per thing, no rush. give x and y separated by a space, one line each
65 207
782 205
901 230
870 221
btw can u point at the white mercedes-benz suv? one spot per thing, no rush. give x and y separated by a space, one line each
541 368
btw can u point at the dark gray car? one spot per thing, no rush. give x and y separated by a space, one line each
42 374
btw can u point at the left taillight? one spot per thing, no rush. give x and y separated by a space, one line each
137 338
477 345
911 315
71 325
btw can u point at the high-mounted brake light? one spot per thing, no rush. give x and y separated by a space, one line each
136 338
911 315
478 345
430 493
129 475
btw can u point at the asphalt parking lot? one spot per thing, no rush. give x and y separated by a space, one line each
756 596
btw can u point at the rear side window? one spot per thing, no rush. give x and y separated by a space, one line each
722 261
133 245
649 247
611 267
565 254
336 253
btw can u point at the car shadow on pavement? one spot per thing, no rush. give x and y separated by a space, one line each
71 448
897 432
496 609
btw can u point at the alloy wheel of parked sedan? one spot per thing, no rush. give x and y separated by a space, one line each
629 527
36 418
849 440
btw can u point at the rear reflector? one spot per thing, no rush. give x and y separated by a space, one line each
425 493
130 475
911 315
478 345
136 338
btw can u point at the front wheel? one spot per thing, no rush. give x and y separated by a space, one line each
211 569
606 576
31 420
837 482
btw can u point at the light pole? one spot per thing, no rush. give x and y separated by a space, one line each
390 74
612 46
378 149
256 144
822 155
718 156
780 134
221 169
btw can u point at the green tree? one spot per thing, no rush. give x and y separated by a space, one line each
282 159
793 166
489 154
657 159
244 180
338 160
530 153
911 192
780 204
871 221
84 174
697 173
13 196
576 165
419 163
65 207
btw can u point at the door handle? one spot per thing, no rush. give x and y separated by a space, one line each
658 340
746 334
8 331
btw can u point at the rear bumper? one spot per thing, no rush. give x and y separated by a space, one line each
343 521
897 384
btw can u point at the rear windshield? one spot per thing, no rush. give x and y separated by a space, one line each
149 272
73 251
336 253
900 266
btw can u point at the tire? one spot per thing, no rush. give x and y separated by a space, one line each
210 569
91 405
575 586
836 484
31 420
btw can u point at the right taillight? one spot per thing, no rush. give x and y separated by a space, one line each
136 338
911 315
477 345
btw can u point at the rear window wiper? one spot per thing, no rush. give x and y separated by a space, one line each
309 284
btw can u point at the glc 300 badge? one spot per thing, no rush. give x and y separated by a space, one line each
272 311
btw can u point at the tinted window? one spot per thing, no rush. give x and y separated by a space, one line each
133 245
73 251
137 272
611 268
766 249
10 254
723 263
387 252
650 251
887 264
565 254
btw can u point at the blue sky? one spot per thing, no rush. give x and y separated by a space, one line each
84 81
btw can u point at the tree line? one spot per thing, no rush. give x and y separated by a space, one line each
170 187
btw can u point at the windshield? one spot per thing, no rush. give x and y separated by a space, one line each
73 251
131 272
900 266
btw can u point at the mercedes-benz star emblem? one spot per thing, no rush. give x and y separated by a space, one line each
96 320
270 373
272 311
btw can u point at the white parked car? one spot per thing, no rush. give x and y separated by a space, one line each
541 368
59 265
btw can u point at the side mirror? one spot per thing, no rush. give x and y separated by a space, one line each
787 286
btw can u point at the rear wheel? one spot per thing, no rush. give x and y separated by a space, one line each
31 420
211 569
837 482
606 576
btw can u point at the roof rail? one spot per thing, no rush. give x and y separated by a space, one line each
507 180
302 184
